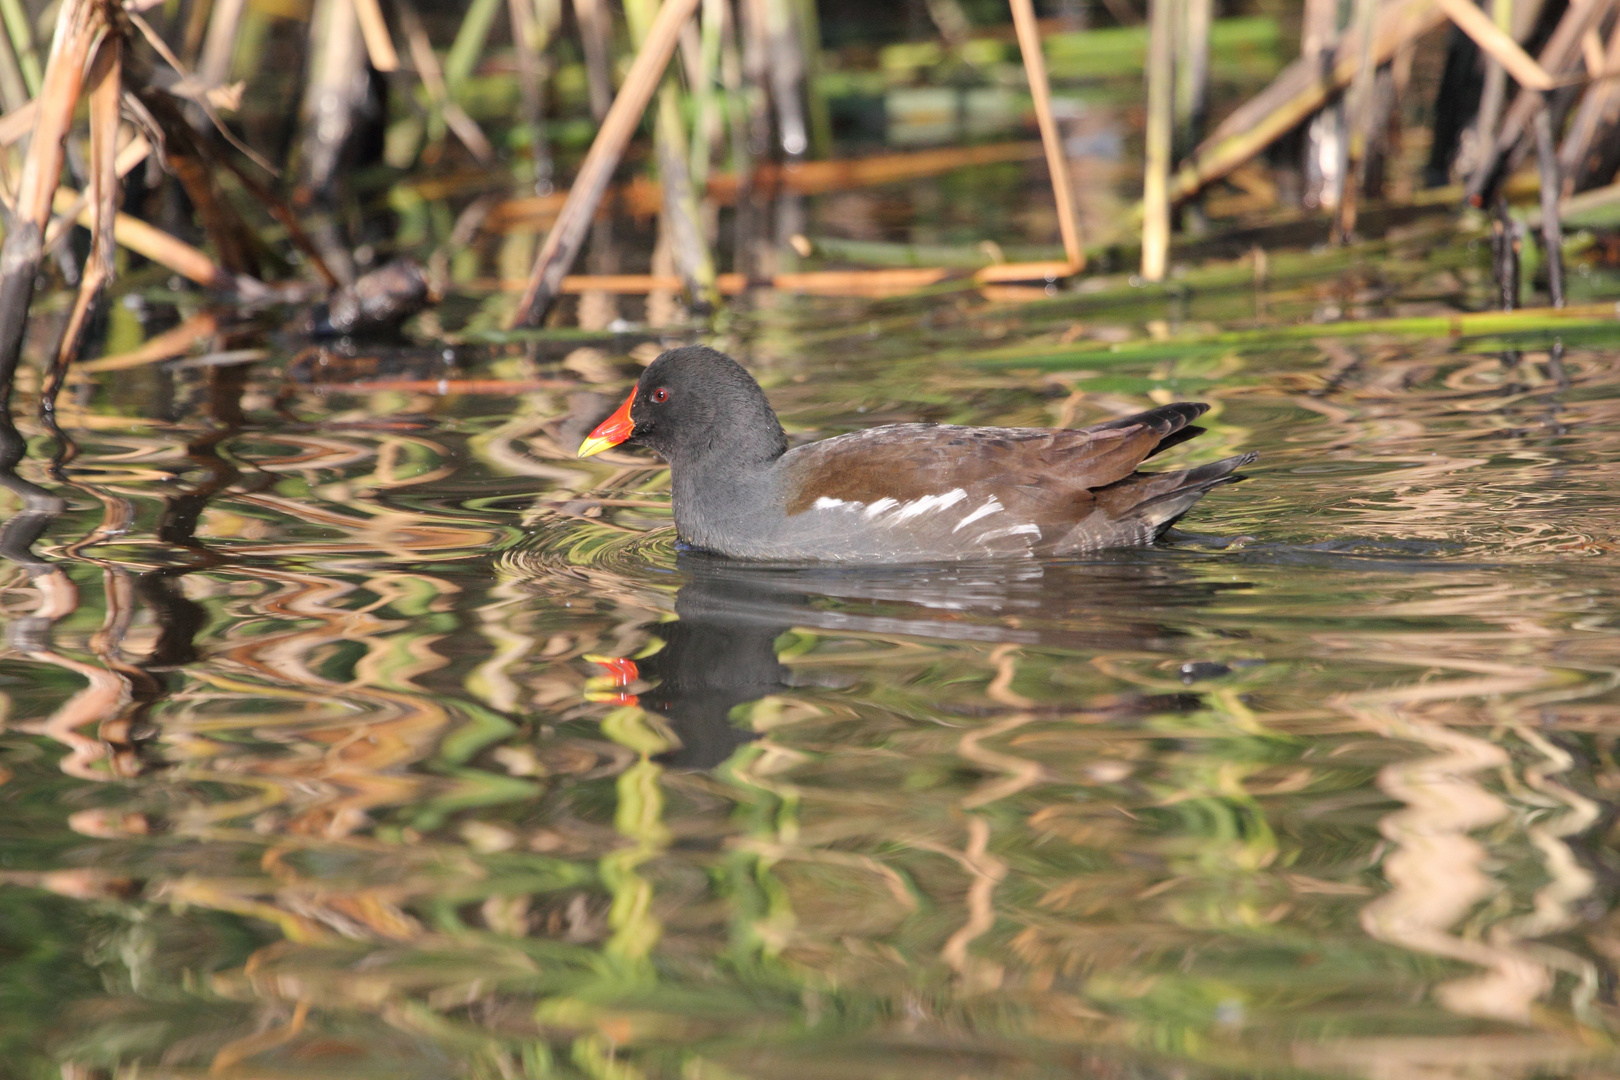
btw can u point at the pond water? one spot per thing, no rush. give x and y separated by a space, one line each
357 729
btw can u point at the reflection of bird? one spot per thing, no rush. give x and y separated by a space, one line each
903 492
715 656
720 651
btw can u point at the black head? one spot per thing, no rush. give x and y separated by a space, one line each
695 401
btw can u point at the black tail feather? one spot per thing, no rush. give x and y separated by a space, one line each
1176 438
1166 419
1163 509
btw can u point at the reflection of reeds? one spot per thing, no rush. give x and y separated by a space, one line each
357 723
1435 871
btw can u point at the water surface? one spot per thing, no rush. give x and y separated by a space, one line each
357 729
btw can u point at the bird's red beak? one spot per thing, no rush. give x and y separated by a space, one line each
612 431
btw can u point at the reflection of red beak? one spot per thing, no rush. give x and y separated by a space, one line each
612 431
621 672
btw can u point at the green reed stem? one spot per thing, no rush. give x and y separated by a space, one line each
469 44
22 43
1472 324
13 90
705 103
809 24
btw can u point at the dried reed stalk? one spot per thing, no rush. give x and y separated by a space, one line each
1302 88
78 24
596 39
786 68
163 249
234 239
1029 44
1160 130
892 282
808 23
164 346
105 82
1505 255
869 283
1591 147
1552 233
533 27
1496 44
689 244
1023 271
1191 27
813 177
17 123
573 222
219 46
374 29
134 152
1359 120
1494 90
1560 52
333 94
703 72
438 90
1319 30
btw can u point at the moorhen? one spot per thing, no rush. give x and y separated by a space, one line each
902 492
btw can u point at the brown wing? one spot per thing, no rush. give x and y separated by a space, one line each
1042 468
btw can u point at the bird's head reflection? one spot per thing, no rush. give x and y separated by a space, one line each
718 653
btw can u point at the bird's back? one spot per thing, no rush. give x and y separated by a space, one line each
920 492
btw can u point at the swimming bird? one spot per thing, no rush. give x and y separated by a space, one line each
901 492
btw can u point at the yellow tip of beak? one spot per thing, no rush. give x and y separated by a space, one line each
594 446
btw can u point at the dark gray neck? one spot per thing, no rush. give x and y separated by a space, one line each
723 496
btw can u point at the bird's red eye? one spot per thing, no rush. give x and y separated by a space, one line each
660 396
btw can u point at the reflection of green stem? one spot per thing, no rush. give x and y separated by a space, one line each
537 1061
591 1054
763 911
1235 840
639 819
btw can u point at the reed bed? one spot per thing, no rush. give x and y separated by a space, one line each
176 134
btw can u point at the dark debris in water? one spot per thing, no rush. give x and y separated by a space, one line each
377 304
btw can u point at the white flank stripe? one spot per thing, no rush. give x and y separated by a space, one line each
825 503
928 503
881 506
1011 530
991 506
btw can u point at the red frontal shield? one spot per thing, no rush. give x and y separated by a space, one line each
612 431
